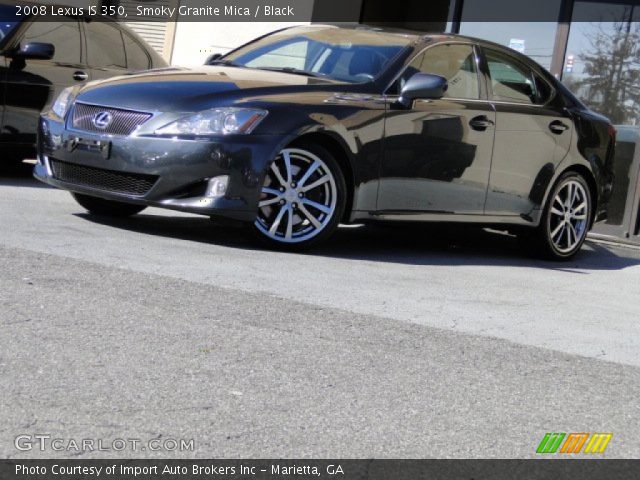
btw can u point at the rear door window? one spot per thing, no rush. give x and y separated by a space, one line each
510 80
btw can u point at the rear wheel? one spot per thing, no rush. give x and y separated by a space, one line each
302 200
565 222
108 208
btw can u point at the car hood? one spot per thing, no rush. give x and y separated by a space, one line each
188 89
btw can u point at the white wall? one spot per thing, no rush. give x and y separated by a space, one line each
195 41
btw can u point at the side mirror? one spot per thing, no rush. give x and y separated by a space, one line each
35 50
422 86
212 58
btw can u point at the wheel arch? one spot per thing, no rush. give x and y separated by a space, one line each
341 153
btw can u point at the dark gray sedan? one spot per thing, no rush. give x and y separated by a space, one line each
311 126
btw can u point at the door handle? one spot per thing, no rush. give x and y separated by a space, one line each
558 127
80 76
480 123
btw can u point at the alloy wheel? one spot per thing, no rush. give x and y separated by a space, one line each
569 216
298 198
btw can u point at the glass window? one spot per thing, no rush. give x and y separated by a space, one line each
105 46
457 64
137 58
7 20
454 62
64 36
342 54
602 62
602 68
510 81
534 39
290 55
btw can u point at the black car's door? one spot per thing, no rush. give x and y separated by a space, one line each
533 134
33 84
437 154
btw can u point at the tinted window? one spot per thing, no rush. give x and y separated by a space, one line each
543 90
343 54
510 81
105 46
137 58
65 37
457 64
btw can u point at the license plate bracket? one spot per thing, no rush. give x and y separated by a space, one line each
103 147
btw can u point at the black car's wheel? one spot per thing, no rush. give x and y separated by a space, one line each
303 198
566 218
108 208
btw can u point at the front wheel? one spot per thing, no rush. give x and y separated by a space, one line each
302 200
107 208
567 215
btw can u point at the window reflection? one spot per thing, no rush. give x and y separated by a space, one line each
534 39
602 62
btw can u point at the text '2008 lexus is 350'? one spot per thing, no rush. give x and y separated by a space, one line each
311 126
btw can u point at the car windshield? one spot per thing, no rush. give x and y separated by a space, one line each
7 20
347 55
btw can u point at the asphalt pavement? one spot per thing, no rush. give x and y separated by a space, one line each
391 341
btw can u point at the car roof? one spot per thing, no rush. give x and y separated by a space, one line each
416 36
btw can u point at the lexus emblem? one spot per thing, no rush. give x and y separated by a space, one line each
102 120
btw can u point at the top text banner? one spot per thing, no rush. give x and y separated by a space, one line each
422 15
170 10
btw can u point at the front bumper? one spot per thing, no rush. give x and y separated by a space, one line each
153 171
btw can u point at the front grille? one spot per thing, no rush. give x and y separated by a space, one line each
123 122
134 184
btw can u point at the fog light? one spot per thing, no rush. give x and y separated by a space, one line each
217 186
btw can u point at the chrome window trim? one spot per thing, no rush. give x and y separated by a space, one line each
453 99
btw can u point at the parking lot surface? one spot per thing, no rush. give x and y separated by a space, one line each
394 341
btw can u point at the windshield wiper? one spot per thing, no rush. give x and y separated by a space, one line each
296 71
226 63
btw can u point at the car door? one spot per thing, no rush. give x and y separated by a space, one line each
32 84
533 134
437 154
106 54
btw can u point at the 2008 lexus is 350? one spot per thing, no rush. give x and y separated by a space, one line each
305 128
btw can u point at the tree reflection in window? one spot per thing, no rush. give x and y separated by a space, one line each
602 64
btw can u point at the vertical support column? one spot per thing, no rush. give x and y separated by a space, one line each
456 15
562 38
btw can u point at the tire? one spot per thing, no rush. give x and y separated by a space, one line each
300 205
566 219
107 208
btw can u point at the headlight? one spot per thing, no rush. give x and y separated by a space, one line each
63 102
221 121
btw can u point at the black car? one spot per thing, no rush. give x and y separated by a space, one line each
40 56
311 126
